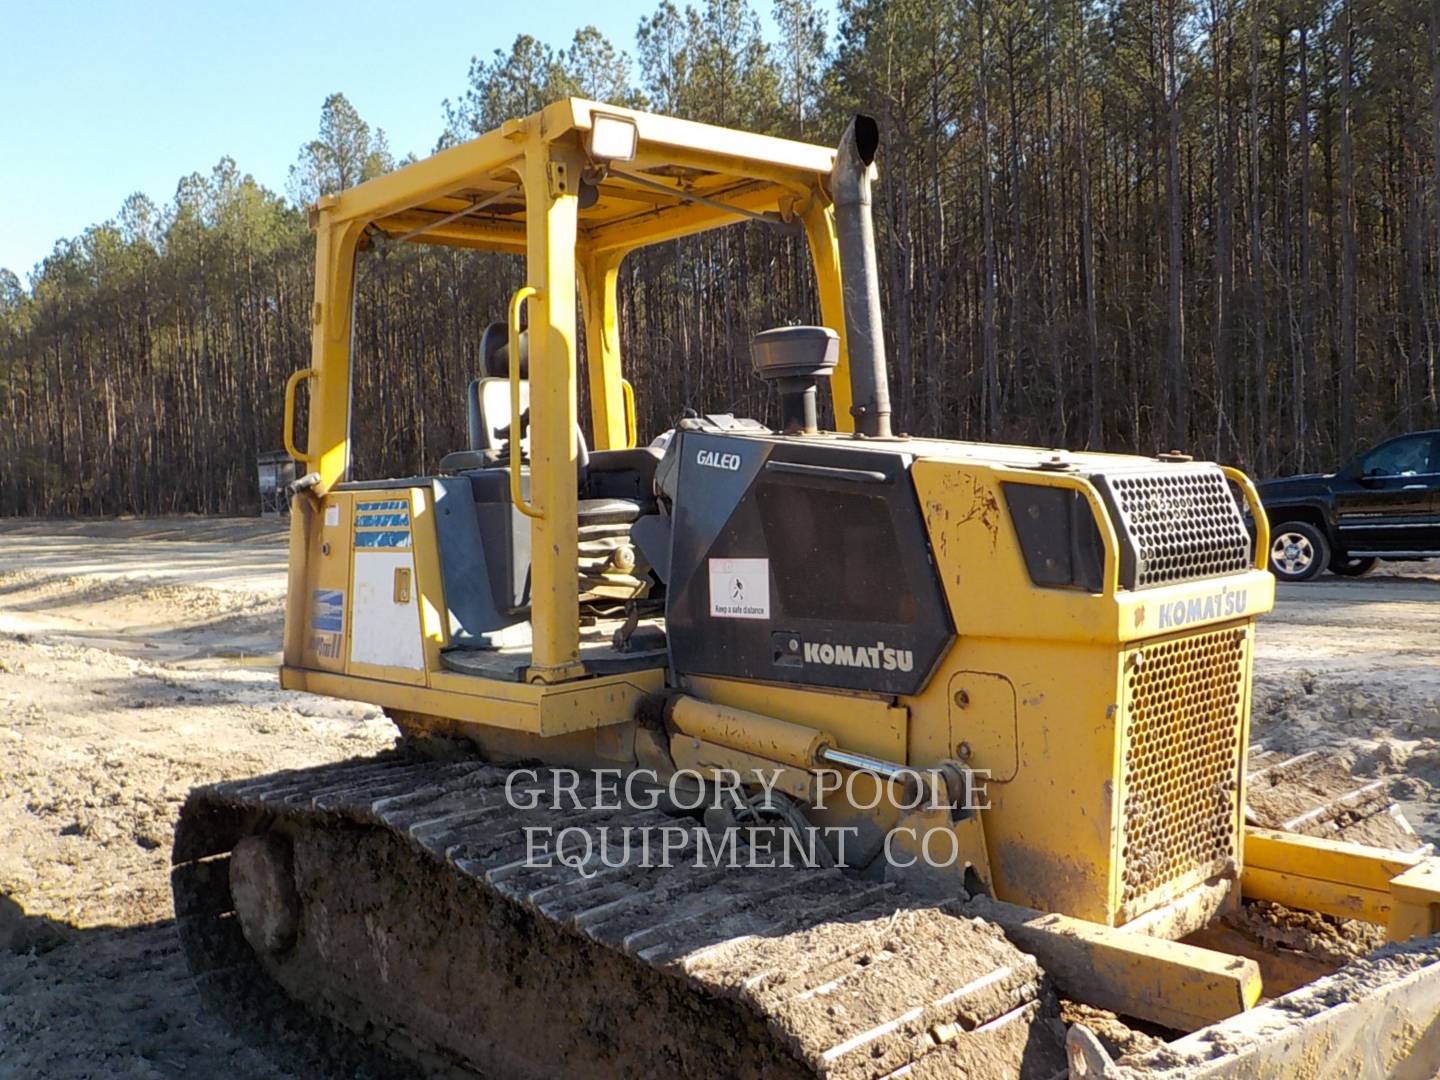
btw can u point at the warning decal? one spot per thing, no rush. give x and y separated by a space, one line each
327 610
740 588
327 620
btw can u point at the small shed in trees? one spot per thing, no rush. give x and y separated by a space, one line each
277 473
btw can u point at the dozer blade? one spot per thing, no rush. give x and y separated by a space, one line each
1317 794
391 915
1374 1018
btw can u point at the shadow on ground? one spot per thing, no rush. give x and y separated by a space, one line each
107 1001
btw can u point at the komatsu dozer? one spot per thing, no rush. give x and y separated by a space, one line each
767 750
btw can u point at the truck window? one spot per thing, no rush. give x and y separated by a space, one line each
1409 456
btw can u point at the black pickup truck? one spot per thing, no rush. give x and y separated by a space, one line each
1384 504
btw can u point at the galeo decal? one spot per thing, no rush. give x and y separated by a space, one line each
714 459
1219 604
876 656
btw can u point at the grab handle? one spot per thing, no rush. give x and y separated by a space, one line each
521 295
628 392
291 386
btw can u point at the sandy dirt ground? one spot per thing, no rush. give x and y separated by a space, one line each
131 669
1355 665
138 660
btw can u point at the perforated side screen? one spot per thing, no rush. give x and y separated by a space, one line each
1181 773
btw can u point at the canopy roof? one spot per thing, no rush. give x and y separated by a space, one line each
472 195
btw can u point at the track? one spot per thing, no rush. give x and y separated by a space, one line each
426 925
1317 794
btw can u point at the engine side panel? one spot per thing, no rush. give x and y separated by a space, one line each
804 563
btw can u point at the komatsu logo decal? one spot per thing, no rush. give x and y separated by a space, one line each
713 459
876 656
1220 604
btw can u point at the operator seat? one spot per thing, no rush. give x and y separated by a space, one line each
487 403
627 474
615 486
488 397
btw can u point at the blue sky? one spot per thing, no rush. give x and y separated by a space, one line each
102 99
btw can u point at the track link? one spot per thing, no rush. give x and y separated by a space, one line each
428 925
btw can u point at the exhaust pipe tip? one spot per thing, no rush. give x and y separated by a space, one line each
865 130
850 175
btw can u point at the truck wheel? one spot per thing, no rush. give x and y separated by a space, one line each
1298 551
1345 566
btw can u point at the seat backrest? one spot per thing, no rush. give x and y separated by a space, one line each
489 413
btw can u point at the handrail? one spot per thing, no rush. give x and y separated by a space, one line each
291 385
631 434
521 295
1257 512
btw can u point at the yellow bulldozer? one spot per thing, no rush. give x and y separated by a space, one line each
768 751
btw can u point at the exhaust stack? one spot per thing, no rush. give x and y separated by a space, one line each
864 330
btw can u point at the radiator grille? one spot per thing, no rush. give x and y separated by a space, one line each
1184 524
1183 710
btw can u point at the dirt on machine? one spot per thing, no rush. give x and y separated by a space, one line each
774 750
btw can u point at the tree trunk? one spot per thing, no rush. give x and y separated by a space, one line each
990 406
1348 284
1304 363
1433 294
1259 448
1220 44
1178 411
